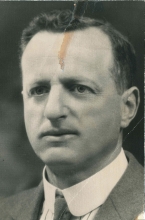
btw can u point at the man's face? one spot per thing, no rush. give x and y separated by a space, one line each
72 112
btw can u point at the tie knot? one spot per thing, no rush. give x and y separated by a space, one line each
61 211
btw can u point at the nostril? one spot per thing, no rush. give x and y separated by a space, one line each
63 116
56 117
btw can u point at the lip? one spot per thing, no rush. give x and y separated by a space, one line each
58 135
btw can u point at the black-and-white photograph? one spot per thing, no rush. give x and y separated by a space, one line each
71 110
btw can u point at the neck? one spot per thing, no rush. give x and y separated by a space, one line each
62 178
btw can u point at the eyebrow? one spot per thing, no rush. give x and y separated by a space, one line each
39 82
75 80
68 81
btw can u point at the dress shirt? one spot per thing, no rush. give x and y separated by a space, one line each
85 198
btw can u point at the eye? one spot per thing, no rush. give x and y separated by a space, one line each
39 91
81 88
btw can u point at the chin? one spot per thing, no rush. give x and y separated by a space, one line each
55 156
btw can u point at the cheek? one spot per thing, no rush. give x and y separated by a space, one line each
101 115
32 116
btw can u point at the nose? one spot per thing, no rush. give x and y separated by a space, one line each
55 107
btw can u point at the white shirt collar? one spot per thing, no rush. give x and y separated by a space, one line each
90 193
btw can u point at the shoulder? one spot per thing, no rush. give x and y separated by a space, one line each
133 179
13 205
128 194
134 167
17 198
126 199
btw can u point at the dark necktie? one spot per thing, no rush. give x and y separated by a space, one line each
61 211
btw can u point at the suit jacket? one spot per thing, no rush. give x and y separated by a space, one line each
125 202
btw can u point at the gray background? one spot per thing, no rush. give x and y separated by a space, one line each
19 167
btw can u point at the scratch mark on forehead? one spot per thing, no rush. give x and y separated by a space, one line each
63 49
79 10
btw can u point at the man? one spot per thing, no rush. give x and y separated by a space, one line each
79 95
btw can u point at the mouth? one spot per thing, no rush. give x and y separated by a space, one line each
59 135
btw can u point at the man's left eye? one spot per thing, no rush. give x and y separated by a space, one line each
81 88
38 91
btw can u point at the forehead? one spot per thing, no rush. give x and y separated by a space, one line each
89 40
86 51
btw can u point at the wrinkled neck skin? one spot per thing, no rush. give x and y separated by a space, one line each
62 177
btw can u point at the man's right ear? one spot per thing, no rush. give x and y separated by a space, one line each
130 104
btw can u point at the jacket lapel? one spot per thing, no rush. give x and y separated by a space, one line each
107 212
126 199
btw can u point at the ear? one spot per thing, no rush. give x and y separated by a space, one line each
130 104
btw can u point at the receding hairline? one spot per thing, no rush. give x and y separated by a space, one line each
96 32
66 31
94 29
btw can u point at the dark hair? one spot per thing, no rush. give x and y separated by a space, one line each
124 68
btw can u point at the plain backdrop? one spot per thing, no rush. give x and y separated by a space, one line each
19 167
